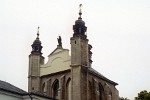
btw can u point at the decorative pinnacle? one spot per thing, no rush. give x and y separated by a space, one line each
38 33
80 12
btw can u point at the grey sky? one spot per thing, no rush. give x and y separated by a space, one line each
119 31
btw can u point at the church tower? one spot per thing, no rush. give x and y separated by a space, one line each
35 60
79 43
65 77
79 59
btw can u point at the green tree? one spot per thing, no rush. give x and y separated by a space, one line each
143 95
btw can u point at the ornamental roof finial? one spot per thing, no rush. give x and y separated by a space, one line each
38 33
80 12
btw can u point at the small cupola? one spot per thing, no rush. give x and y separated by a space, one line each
36 46
79 27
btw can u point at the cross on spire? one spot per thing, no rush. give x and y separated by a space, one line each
38 33
80 12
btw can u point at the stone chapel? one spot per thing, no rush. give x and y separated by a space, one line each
69 77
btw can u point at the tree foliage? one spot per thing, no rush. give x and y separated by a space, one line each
143 95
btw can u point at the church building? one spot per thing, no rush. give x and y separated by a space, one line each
69 77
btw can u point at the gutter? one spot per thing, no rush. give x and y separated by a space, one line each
30 96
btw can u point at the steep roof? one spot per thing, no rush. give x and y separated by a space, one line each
93 71
5 86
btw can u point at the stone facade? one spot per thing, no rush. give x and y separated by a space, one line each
66 77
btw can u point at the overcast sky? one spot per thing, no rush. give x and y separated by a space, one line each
119 31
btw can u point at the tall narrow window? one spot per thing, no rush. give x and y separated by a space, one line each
69 89
101 91
44 88
110 96
89 91
108 91
56 89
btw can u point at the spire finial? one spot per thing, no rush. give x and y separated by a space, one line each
38 33
80 12
36 46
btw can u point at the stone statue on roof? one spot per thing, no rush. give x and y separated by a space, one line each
59 41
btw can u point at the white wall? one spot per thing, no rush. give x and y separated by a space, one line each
59 60
9 96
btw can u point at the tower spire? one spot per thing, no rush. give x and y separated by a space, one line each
80 12
36 46
79 28
35 60
38 33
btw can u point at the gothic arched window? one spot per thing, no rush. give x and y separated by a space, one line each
68 89
109 95
56 89
101 91
108 91
44 88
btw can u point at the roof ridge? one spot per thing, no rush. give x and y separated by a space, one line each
102 76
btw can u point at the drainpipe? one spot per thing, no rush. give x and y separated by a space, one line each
30 96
